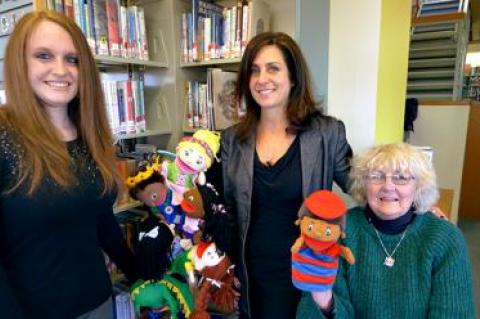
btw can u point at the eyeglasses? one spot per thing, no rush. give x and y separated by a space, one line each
378 178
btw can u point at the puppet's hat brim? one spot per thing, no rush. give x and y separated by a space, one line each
325 204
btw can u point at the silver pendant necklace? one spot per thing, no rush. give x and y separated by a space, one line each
389 260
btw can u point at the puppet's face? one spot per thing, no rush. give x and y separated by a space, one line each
210 257
319 229
190 160
153 194
192 203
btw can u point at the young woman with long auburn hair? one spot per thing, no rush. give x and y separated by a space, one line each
58 181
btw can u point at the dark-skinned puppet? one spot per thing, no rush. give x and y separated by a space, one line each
149 187
315 253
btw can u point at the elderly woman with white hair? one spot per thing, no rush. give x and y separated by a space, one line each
409 263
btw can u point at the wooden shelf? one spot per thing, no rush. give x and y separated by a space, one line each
443 102
143 134
190 130
209 63
438 18
127 206
112 60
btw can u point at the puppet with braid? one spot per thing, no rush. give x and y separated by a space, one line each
195 155
315 253
217 282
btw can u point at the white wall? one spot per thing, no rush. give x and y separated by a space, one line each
444 128
312 30
353 67
283 13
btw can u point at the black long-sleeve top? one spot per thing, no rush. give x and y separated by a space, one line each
51 260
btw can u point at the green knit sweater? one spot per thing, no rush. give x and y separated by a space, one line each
431 277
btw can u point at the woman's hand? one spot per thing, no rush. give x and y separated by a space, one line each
438 212
324 299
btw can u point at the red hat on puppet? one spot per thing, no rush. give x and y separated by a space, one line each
325 204
201 247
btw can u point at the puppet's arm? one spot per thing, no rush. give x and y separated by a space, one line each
298 244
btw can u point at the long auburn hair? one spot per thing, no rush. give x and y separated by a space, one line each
301 107
44 152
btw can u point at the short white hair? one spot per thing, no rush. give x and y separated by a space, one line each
399 157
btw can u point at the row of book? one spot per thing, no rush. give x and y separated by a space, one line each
471 85
211 31
122 303
125 103
212 105
123 306
112 27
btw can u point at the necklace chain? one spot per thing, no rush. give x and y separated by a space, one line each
389 260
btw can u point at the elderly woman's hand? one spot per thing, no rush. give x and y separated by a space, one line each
438 212
324 299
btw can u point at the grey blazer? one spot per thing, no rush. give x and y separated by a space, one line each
325 157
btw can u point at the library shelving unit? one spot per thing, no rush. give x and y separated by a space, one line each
188 70
165 73
159 91
159 97
471 85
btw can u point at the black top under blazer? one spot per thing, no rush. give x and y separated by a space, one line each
325 158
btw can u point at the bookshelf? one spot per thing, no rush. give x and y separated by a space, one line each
127 206
197 87
165 73
157 98
471 84
210 63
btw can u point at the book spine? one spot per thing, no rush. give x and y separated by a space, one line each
244 28
124 30
219 35
112 87
233 32
189 89
226 33
138 37
59 6
201 37
208 38
114 40
130 111
101 30
143 121
190 37
68 9
195 8
238 28
185 37
143 33
121 93
132 35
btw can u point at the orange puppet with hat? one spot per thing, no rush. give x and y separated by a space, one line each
315 252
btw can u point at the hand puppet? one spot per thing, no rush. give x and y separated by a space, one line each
192 205
216 284
149 187
315 253
195 155
155 289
